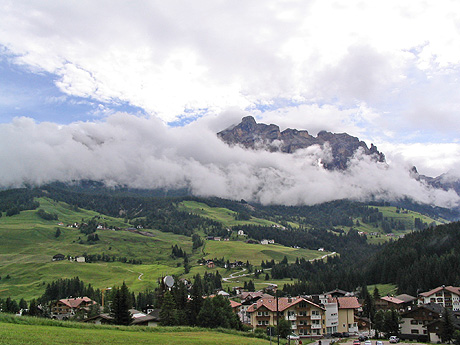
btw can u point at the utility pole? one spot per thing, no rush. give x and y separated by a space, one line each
277 316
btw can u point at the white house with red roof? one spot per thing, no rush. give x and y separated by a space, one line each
306 317
447 296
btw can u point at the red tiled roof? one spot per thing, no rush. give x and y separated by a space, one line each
234 304
392 299
283 303
348 303
453 289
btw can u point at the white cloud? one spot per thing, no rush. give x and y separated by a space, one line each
142 152
168 57
382 71
431 159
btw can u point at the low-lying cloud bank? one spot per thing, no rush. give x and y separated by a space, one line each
144 153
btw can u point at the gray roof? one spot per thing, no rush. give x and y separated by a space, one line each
406 298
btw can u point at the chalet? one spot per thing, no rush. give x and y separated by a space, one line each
142 319
101 319
58 257
414 322
210 264
306 317
389 303
248 299
65 308
241 233
80 259
151 319
447 296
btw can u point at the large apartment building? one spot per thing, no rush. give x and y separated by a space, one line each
447 296
306 317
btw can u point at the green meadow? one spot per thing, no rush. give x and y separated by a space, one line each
28 244
222 215
22 331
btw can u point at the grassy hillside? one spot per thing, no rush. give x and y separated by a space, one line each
49 332
29 243
222 215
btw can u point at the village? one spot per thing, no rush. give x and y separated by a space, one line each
333 314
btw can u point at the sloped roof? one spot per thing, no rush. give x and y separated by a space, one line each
406 298
143 319
348 303
391 299
75 302
453 289
432 307
283 303
234 304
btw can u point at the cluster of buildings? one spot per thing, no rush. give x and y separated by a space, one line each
309 316
338 311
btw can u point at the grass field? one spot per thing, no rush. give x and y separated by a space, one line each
384 289
29 243
223 215
48 332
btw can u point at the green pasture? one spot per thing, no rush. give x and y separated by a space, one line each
384 289
28 244
50 333
255 253
223 215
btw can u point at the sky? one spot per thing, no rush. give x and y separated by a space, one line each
134 91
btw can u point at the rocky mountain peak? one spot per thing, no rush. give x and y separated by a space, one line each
253 135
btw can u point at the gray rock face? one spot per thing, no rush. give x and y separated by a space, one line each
254 135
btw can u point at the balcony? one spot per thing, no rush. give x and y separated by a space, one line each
315 326
315 317
291 317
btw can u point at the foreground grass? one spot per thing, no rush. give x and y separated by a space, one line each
27 330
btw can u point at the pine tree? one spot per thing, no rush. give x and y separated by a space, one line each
168 308
121 303
196 300
447 332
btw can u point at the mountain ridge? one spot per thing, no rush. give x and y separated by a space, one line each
253 135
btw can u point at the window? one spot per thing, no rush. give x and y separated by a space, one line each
265 313
414 331
259 313
315 312
413 322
